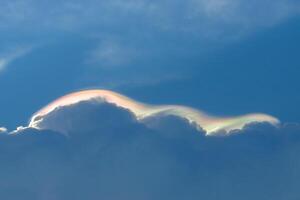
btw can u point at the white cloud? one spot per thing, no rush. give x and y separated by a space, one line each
3 129
54 113
19 129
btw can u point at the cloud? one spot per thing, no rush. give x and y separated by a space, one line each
209 18
111 54
141 112
240 12
8 57
108 154
3 130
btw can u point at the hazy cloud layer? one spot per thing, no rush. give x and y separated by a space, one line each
108 155
205 16
111 54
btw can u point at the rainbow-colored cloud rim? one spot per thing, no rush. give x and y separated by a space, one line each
203 121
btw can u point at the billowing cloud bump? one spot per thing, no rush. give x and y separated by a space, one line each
47 118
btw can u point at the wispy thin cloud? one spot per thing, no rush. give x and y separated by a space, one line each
110 54
8 57
201 16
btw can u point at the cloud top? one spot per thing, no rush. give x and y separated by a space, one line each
211 124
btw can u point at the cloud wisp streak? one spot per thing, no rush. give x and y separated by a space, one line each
111 54
8 58
211 124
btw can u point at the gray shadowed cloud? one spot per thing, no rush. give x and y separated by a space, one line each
108 155
81 117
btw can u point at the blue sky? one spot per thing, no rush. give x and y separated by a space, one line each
218 63
226 57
